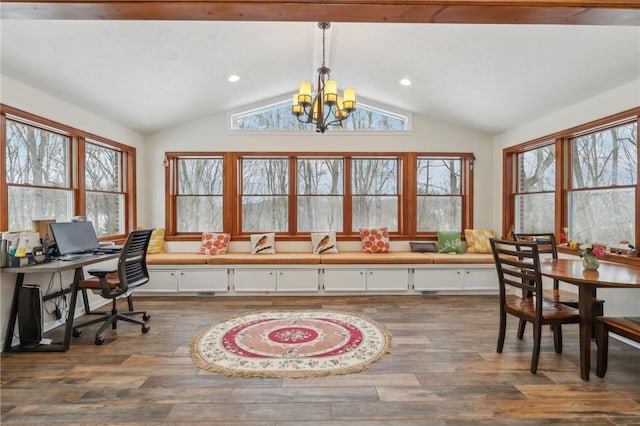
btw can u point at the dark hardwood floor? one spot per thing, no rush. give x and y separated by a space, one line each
443 370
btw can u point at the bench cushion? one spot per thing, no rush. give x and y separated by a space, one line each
177 259
464 258
279 258
360 258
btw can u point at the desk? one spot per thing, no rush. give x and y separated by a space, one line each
43 268
612 275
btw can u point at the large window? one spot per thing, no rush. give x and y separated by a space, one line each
265 190
439 193
53 171
38 173
374 183
104 179
199 201
535 193
294 194
320 194
604 175
584 179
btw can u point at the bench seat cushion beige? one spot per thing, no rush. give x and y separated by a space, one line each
360 258
177 259
280 258
464 258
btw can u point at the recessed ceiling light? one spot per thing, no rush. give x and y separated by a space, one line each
405 82
233 78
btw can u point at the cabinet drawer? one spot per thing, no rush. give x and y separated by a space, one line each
297 279
480 279
344 279
203 280
261 279
160 281
437 279
387 279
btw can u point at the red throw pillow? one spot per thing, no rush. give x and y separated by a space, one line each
213 243
375 240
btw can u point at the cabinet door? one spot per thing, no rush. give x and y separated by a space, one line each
258 279
297 279
429 279
160 281
203 280
387 279
480 279
344 279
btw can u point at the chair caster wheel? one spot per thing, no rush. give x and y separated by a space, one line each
146 317
145 329
99 340
76 332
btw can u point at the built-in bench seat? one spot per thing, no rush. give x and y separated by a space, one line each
299 258
283 272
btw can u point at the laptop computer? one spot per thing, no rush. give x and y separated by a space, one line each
77 239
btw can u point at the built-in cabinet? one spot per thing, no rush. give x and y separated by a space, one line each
469 278
318 279
365 279
188 279
282 279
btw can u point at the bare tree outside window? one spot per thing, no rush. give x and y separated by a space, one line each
38 175
104 185
199 197
374 188
265 190
439 194
603 185
320 194
535 195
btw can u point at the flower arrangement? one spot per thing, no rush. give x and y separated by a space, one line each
597 249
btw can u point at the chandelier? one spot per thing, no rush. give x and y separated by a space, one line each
327 108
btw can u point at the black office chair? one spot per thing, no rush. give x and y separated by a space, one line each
547 245
518 267
113 283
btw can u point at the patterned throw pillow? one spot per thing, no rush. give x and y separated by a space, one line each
156 243
263 243
323 242
449 242
375 240
213 243
478 240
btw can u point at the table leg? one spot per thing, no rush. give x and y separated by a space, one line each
586 295
77 276
13 315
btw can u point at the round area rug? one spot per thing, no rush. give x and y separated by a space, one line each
290 344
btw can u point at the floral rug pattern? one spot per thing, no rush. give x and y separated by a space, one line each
291 344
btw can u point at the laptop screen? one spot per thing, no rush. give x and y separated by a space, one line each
75 237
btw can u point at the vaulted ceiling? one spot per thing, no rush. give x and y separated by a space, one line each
153 74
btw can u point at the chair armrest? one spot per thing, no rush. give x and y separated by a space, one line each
101 272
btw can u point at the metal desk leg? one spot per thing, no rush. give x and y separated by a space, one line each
13 315
77 276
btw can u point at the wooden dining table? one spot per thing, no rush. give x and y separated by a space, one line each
609 274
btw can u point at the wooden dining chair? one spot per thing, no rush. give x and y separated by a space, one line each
547 245
520 284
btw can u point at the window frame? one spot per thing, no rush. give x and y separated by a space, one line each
78 140
232 195
562 141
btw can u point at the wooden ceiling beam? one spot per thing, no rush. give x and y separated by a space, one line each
586 12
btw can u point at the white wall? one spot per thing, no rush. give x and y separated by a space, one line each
622 98
18 95
211 134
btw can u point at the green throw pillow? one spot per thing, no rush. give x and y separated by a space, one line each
449 242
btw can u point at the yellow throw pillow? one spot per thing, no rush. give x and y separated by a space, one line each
478 240
156 244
